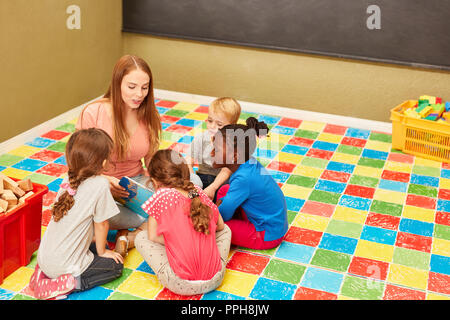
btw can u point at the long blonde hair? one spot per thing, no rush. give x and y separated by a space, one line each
147 112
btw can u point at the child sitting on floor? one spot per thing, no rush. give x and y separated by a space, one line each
221 112
186 243
67 259
252 205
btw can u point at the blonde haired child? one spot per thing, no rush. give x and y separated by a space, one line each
222 111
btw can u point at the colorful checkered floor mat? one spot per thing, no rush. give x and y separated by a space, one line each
366 221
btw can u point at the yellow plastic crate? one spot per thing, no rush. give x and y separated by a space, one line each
420 137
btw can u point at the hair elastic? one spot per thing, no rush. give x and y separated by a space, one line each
193 194
66 186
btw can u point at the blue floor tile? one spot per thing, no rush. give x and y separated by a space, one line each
339 166
144 267
323 280
379 235
294 204
268 119
267 289
290 148
393 185
424 180
219 295
443 205
40 142
323 145
331 186
30 164
186 139
440 264
295 252
54 185
416 227
338 243
355 202
279 176
375 154
188 122
283 130
357 133
97 293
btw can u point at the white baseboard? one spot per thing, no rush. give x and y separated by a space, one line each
283 112
206 100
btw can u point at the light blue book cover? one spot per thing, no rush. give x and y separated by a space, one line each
138 195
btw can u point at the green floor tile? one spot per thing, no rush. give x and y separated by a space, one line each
356 151
422 190
67 127
426 171
324 196
41 178
314 162
176 113
113 285
302 181
9 159
330 259
412 258
123 296
22 297
369 162
441 231
264 161
364 181
380 137
307 134
246 115
284 271
392 209
362 288
171 136
267 252
344 228
59 146
291 216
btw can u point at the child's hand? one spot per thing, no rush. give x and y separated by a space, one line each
112 255
117 190
210 191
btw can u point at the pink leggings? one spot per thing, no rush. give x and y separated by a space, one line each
243 232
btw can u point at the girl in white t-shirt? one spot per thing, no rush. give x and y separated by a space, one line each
68 259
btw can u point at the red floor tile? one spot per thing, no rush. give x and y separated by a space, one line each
396 176
439 282
400 157
413 241
47 155
335 176
53 169
169 119
442 218
55 134
299 141
166 103
303 236
202 109
369 268
335 129
355 142
421 201
312 294
166 294
444 194
247 262
384 221
359 191
318 153
291 123
180 147
281 166
318 208
46 217
445 165
49 198
398 293
179 129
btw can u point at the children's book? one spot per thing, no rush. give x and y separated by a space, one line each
138 195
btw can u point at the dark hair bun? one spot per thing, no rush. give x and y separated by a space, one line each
260 127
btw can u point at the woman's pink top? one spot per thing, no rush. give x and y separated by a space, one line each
192 255
96 116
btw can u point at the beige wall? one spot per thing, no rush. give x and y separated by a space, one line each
47 69
308 82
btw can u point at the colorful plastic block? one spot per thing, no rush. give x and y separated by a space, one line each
447 106
431 99
426 111
432 117
412 114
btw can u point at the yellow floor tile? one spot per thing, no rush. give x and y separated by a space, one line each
307 171
329 137
441 247
197 130
427 162
373 250
444 183
389 196
66 138
73 121
197 116
25 151
17 280
407 276
345 158
368 171
378 145
349 215
290 190
133 259
416 213
312 125
435 296
277 138
141 284
16 173
186 106
238 283
310 221
289 157
165 144
398 166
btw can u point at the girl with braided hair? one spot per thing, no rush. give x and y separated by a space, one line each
186 242
68 259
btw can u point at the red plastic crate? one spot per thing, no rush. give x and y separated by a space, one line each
20 232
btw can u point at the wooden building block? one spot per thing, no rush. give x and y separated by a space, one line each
26 185
1 185
9 196
3 205
10 184
27 195
11 207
